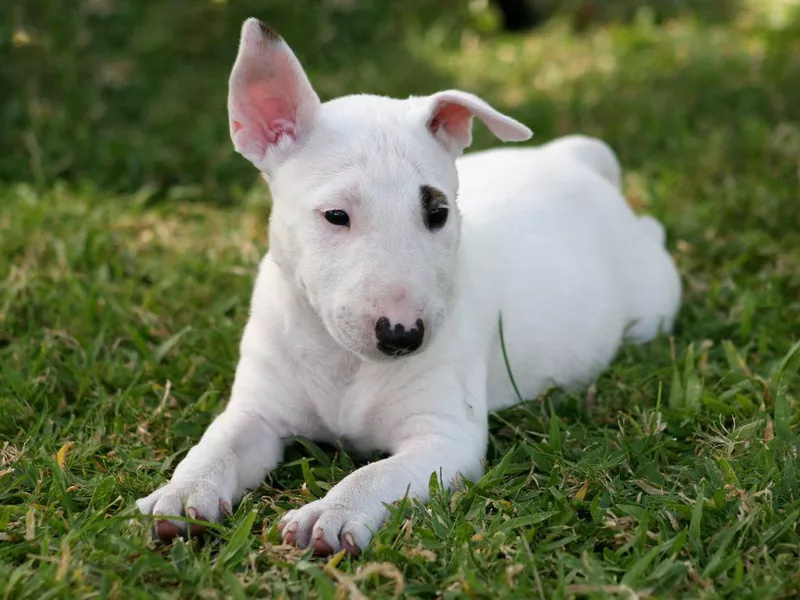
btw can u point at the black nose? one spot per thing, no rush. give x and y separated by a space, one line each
397 341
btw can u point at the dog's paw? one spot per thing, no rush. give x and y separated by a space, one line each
326 527
197 499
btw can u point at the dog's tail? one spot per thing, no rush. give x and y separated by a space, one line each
594 153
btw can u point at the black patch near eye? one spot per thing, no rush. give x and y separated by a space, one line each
434 207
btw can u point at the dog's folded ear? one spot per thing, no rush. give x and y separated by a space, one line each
450 120
271 103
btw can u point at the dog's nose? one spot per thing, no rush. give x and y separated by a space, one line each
396 340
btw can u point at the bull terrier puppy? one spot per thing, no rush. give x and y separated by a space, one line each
374 318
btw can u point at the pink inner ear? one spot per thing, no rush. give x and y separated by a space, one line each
450 116
269 99
276 103
454 119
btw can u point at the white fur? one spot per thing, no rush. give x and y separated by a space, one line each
541 236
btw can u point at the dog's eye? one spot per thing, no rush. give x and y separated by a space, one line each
436 217
337 217
434 207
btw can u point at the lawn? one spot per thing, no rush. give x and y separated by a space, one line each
129 237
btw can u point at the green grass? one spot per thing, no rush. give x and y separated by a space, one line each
129 236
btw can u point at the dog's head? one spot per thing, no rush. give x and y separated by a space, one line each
364 193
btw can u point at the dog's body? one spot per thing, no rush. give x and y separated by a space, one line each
541 237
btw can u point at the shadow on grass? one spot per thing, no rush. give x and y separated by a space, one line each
590 13
131 94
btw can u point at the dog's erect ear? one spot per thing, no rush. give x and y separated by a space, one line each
450 120
271 103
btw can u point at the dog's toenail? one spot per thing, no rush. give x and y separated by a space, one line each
321 547
166 530
192 512
349 544
290 533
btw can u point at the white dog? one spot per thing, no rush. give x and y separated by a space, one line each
375 314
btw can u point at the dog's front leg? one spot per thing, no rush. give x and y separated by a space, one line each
355 508
237 450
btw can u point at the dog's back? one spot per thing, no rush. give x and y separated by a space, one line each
575 271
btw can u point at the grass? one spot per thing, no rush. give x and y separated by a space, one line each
129 234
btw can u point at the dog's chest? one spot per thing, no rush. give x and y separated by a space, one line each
346 409
323 376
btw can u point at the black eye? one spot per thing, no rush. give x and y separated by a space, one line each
436 217
434 207
337 217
